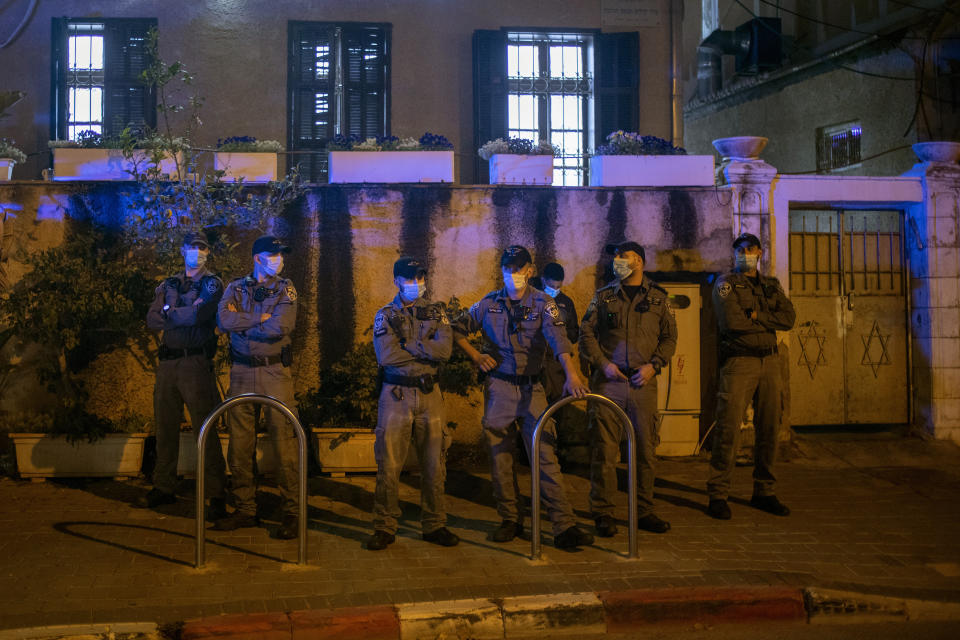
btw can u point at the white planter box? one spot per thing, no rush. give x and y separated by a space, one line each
345 449
106 164
187 462
40 455
651 171
252 167
391 166
509 168
6 169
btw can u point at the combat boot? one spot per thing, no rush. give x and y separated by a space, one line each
507 531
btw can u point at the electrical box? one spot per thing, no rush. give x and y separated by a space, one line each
678 385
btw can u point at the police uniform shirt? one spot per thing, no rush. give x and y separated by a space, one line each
191 320
411 340
516 333
736 296
629 332
248 335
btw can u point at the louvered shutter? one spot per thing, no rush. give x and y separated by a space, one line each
365 67
58 81
311 79
489 94
616 83
127 102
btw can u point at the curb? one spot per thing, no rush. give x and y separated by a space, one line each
562 614
55 631
832 606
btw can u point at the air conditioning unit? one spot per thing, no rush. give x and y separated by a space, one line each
765 49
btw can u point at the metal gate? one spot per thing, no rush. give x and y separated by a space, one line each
849 346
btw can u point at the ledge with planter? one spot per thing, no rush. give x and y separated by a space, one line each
631 160
9 156
519 161
390 160
248 159
41 455
70 163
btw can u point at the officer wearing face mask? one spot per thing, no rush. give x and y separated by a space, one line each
628 334
750 309
518 324
411 336
259 312
184 309
551 282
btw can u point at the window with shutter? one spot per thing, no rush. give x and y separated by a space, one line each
339 83
569 87
96 77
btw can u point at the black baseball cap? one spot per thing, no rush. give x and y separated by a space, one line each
196 239
269 244
748 239
623 247
553 271
408 268
515 257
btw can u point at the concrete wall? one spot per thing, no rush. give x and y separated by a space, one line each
238 51
345 240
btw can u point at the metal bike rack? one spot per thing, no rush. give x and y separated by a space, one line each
252 398
631 471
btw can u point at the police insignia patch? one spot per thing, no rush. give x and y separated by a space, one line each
378 329
724 289
551 310
212 285
475 307
291 293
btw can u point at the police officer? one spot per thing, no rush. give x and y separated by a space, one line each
518 323
750 309
184 309
550 282
628 334
260 311
411 336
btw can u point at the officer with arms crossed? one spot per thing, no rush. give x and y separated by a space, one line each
550 282
750 309
411 336
260 311
518 322
628 334
184 309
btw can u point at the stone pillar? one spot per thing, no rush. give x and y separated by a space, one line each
932 245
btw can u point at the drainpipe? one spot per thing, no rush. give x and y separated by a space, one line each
676 94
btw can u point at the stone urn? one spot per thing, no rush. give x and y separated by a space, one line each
740 148
938 151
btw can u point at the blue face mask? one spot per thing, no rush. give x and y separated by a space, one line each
194 258
413 290
550 291
272 265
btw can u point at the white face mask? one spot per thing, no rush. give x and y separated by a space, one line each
746 261
622 268
550 291
272 265
413 290
515 281
194 258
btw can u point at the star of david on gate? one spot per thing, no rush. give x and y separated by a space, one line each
875 348
811 338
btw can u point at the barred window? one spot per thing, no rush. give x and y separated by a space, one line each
96 77
838 147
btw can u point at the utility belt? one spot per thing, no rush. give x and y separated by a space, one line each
209 350
285 358
425 383
517 381
745 352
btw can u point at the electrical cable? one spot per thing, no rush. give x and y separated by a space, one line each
824 22
23 23
876 155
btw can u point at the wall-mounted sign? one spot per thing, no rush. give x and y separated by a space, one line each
630 13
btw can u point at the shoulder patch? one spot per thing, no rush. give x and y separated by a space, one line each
212 285
378 328
550 308
724 289
291 293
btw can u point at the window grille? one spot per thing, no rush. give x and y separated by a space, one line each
838 147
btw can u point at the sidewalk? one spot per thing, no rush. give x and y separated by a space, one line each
871 515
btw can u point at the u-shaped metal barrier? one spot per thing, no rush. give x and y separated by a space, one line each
252 398
631 471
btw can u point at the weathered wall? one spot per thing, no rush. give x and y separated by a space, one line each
345 240
238 51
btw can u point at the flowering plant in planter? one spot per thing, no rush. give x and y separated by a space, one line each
9 150
90 139
517 146
427 142
628 143
248 144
